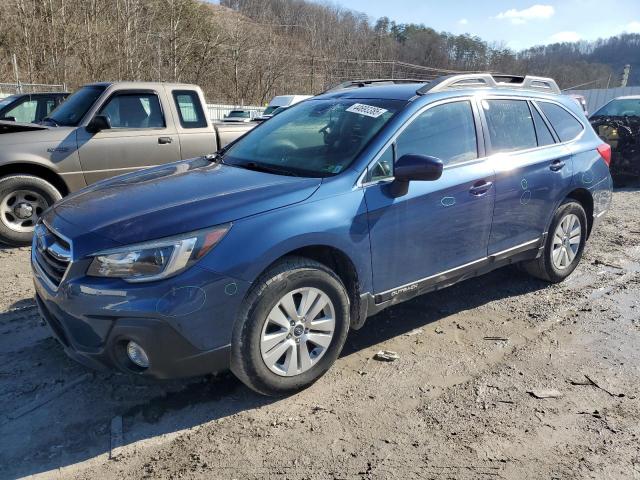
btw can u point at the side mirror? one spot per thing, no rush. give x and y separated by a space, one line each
98 123
417 167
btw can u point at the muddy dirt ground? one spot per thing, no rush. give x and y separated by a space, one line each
459 403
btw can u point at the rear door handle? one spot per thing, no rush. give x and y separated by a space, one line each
557 165
480 188
164 140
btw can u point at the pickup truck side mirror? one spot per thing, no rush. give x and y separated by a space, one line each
98 123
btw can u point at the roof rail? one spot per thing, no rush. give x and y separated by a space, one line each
489 80
371 82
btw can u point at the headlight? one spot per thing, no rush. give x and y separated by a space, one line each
157 259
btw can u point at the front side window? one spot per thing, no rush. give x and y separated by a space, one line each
510 125
316 138
189 109
446 131
565 124
134 110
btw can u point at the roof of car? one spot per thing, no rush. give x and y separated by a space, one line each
404 91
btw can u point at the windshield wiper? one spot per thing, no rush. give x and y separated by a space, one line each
261 167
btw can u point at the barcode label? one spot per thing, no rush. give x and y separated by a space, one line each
368 110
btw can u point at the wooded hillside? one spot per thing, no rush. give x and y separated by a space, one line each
246 51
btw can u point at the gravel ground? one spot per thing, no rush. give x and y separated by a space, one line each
460 402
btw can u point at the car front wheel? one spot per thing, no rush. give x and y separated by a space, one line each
23 198
292 328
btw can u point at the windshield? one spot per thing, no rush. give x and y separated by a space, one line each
6 101
269 110
620 108
71 112
316 138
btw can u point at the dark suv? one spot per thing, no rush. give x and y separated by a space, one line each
262 257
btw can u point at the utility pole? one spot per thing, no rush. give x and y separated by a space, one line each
15 72
625 75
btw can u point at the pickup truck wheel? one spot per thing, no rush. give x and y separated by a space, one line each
23 198
564 245
292 328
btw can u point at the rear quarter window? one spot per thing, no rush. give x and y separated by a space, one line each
567 127
189 109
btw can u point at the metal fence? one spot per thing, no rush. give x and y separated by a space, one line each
7 89
596 98
218 111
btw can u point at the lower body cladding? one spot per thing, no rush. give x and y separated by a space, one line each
176 328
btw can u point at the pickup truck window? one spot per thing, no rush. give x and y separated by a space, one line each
134 110
189 109
71 112
316 138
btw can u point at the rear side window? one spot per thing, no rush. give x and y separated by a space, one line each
189 109
446 131
542 131
510 125
565 124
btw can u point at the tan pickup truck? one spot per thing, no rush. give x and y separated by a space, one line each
102 130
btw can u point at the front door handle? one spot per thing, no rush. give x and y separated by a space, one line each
164 140
480 188
557 165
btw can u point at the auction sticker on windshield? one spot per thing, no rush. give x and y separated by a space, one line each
368 110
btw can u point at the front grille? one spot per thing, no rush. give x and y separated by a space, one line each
52 253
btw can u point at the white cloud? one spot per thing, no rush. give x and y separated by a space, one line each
633 27
535 12
463 21
562 37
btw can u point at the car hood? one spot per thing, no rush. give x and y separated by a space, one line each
176 198
11 127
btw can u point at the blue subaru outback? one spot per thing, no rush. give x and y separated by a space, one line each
261 257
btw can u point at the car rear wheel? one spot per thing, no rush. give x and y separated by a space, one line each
23 198
292 328
564 244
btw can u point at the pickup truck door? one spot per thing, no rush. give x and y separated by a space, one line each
142 134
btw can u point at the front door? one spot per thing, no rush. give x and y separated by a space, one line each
140 136
436 225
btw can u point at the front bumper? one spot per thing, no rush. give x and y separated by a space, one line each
183 323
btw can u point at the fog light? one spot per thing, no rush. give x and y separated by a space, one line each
137 355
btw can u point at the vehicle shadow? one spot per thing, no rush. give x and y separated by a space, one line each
74 426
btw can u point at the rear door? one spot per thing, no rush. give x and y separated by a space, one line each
142 134
436 225
533 170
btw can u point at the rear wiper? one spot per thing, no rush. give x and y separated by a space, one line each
261 167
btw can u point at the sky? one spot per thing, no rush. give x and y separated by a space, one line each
518 24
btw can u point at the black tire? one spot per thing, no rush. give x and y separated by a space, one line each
16 183
286 276
543 267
